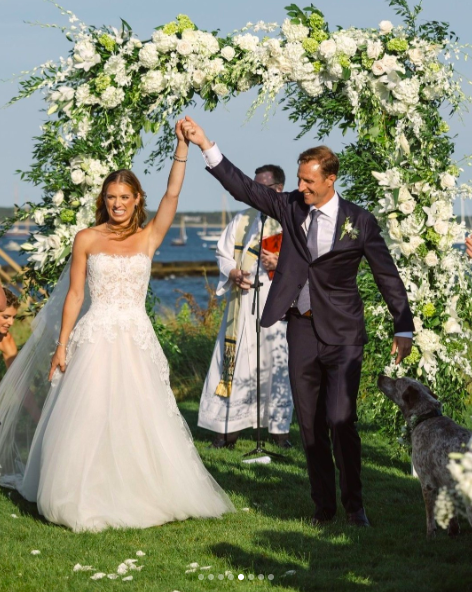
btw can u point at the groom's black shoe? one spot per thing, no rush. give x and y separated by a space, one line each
358 518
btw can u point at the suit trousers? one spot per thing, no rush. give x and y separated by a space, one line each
325 382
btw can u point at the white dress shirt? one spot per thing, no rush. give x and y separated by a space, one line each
326 221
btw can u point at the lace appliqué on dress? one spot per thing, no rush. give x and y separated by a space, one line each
118 287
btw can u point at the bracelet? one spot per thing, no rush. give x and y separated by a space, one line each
59 343
179 159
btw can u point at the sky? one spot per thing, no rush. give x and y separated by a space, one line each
248 144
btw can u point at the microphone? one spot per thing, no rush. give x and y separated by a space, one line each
263 217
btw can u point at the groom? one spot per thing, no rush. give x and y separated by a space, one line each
314 286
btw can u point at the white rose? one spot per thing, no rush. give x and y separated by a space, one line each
378 68
228 53
374 49
441 227
220 89
327 48
452 326
77 176
416 56
431 259
184 47
345 44
407 207
313 87
274 47
198 78
58 198
385 27
447 181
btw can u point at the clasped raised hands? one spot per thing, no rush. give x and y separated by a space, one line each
195 134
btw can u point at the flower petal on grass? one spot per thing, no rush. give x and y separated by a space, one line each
35 552
290 572
206 567
245 510
122 569
98 576
112 576
13 515
193 565
190 570
130 562
78 567
140 553
127 579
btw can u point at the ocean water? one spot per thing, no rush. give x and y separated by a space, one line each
169 289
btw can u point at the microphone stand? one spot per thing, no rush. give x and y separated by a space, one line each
259 449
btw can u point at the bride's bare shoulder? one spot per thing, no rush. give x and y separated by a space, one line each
86 236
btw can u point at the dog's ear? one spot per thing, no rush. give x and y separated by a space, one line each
410 395
430 392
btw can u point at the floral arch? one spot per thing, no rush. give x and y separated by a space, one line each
387 84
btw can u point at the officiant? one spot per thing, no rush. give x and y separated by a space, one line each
228 401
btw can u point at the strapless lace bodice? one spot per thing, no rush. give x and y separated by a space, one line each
118 287
118 283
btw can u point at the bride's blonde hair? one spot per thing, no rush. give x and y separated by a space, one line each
139 215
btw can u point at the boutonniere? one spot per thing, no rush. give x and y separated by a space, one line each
349 230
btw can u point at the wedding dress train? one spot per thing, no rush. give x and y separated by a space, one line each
111 448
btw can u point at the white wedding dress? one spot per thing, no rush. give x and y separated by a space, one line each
111 448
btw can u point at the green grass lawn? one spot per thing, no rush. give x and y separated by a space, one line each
269 535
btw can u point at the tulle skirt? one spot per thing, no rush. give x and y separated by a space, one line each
111 448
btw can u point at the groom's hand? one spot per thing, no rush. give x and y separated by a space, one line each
402 347
195 134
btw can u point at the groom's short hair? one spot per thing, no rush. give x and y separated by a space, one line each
324 156
277 172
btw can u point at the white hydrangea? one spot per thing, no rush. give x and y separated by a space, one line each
148 56
83 96
313 87
214 67
85 55
204 43
247 42
345 44
407 91
153 82
164 43
294 32
112 97
428 341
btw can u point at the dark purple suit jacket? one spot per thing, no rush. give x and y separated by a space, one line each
338 312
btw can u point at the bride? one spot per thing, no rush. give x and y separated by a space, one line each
111 448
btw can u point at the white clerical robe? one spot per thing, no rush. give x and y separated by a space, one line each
238 411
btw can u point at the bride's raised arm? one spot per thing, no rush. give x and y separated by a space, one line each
73 301
165 214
